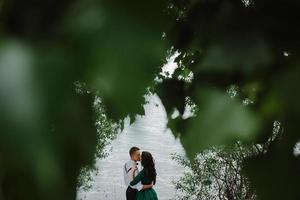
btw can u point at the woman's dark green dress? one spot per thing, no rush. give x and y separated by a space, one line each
148 194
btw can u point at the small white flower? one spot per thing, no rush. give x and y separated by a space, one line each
286 54
297 149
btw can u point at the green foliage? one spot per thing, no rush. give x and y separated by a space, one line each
47 131
219 120
253 45
216 173
121 52
107 130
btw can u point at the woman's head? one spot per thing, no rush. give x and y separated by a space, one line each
147 162
147 159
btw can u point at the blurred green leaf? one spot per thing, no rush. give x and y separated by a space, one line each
122 53
230 54
219 120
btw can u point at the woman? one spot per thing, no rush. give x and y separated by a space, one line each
146 176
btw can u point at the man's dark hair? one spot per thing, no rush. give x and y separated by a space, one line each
133 150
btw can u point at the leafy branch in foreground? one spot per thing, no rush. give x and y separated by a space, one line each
107 130
217 173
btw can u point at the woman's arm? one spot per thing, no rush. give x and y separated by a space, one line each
137 179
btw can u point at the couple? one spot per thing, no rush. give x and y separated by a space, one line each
140 183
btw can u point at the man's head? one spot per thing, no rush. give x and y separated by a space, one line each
135 154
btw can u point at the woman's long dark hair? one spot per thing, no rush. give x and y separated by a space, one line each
149 166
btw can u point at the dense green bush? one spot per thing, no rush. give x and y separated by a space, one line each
215 174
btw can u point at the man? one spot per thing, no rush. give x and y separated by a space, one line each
129 167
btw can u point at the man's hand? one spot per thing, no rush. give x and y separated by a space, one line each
135 169
145 187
